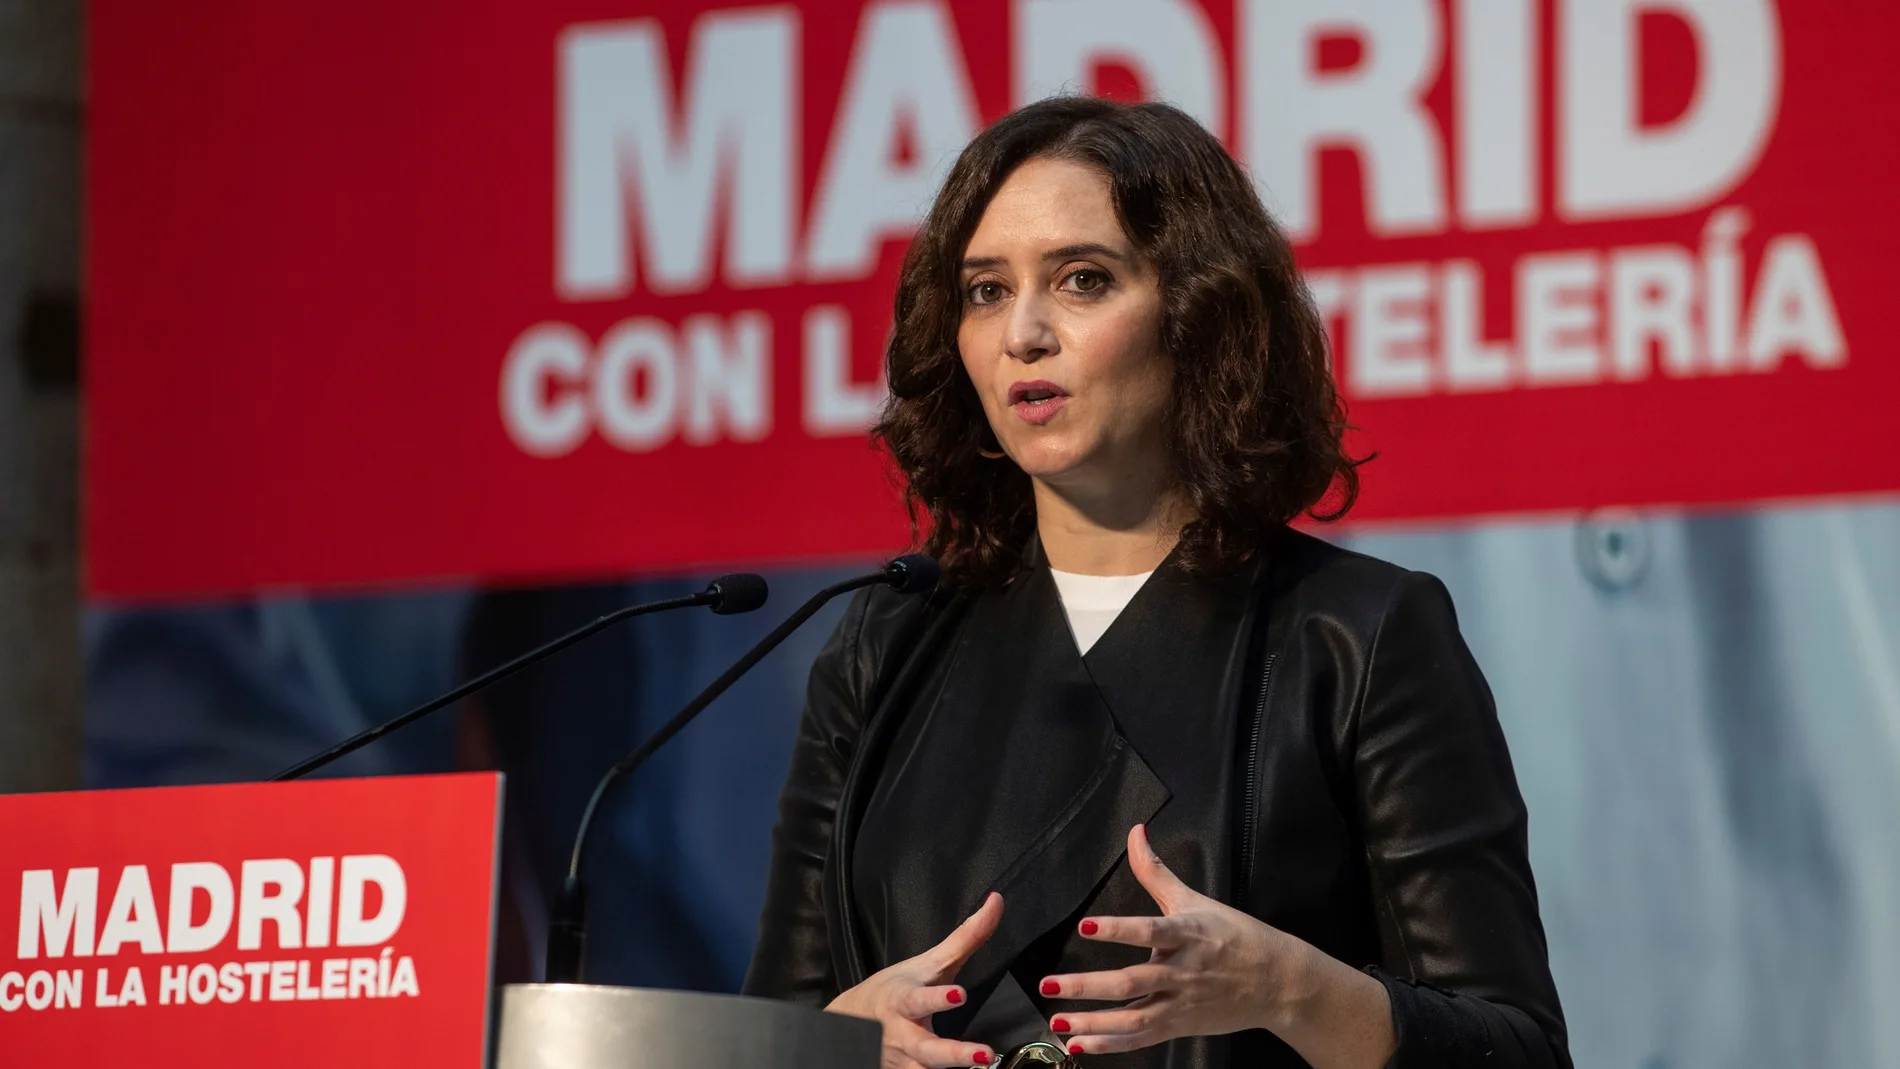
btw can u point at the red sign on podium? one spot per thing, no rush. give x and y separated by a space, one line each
322 923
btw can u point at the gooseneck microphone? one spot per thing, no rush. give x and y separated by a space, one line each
728 594
912 573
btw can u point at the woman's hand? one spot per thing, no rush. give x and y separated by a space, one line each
903 997
1215 970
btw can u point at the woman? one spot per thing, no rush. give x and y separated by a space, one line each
1152 776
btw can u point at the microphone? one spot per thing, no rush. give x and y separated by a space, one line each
913 573
728 594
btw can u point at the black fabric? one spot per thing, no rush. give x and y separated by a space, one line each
1016 768
1433 1028
1170 669
1012 780
1366 802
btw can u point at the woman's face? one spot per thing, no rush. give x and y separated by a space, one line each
1061 331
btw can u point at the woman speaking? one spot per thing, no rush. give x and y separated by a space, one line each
1152 776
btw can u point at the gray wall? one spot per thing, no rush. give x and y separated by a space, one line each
41 113
1704 712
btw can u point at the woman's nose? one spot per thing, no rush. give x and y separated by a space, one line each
1029 336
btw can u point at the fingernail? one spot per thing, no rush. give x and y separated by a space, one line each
1060 1024
1075 1048
1050 987
955 997
1090 927
982 1057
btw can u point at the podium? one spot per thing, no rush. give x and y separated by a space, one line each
584 1026
318 923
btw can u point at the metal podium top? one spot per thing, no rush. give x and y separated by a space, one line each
585 1026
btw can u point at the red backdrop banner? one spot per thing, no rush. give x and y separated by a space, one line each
583 287
338 922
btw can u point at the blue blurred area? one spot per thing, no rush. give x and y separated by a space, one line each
240 691
1704 711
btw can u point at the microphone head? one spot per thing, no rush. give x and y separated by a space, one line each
738 592
913 573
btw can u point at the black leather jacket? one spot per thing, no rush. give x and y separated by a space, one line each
1375 812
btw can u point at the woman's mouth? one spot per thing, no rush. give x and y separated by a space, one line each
1038 401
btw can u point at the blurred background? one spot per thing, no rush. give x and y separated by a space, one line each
377 345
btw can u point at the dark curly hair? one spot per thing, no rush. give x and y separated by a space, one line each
1255 425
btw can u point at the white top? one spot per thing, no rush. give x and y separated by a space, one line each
1093 601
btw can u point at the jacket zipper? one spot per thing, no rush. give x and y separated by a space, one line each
1250 796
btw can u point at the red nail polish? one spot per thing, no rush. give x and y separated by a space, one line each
1060 1024
1075 1048
982 1057
1050 987
1090 927
955 997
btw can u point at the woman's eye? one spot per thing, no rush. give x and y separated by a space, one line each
986 293
1086 281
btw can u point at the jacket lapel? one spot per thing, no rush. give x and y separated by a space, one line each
1017 781
1022 779
1172 670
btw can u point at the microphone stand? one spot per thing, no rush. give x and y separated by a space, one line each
740 592
567 927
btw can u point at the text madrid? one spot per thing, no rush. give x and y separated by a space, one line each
691 183
303 906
